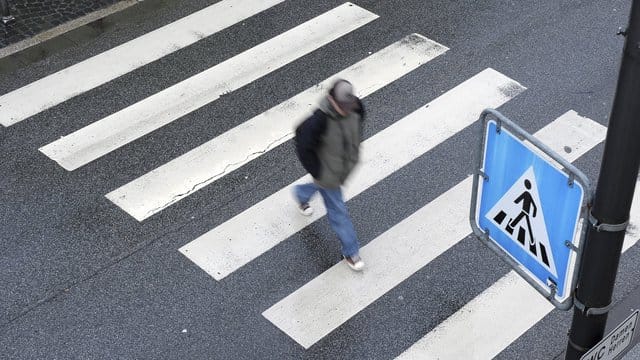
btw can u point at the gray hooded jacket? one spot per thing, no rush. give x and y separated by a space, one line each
328 144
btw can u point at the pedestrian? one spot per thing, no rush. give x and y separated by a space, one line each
328 144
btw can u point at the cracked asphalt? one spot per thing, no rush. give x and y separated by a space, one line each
81 279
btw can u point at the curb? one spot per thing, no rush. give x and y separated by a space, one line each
64 28
74 33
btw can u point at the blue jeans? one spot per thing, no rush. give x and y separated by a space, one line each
336 212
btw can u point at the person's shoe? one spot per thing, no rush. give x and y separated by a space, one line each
354 262
305 209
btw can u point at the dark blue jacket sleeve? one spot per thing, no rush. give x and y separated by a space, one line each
307 140
360 110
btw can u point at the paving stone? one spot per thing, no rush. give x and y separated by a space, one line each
36 16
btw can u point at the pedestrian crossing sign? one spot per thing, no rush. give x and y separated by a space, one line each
529 207
517 214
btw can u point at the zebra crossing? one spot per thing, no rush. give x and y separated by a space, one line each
498 307
103 136
29 100
318 308
203 165
251 233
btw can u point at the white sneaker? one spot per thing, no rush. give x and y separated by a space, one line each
354 262
305 209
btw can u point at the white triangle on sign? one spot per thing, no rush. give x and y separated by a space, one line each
519 215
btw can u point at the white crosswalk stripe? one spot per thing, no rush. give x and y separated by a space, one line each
103 136
203 165
326 302
246 236
29 100
480 329
494 319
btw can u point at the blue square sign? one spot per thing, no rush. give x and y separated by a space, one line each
530 209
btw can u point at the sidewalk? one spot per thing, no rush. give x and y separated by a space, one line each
37 21
33 17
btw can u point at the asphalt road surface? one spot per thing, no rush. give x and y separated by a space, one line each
146 179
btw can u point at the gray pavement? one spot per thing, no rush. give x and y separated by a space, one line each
33 17
82 279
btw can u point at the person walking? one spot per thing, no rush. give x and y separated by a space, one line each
328 146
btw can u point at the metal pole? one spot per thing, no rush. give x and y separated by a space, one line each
4 11
612 202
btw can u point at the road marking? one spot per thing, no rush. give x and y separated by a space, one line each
38 96
329 300
116 130
486 325
181 177
249 234
471 332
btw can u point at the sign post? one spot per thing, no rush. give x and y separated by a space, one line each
528 206
612 202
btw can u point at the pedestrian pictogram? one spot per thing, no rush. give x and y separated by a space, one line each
527 206
519 215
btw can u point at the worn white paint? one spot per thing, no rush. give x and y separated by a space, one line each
326 302
52 90
486 325
494 319
124 126
249 234
181 177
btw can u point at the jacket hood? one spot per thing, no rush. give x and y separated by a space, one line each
328 109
